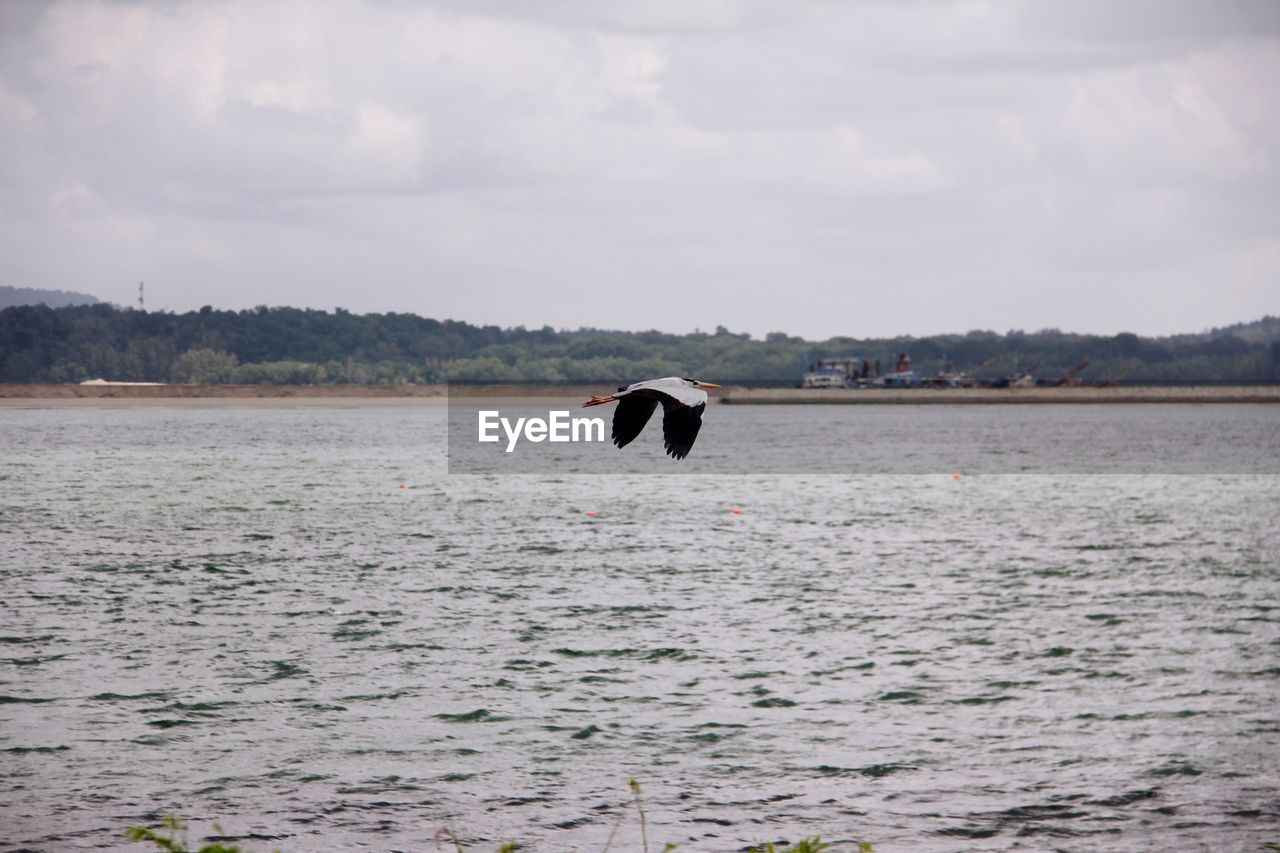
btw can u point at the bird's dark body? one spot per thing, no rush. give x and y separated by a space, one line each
680 423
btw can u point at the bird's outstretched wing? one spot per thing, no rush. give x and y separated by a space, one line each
680 425
629 418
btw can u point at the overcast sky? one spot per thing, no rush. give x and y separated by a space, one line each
817 168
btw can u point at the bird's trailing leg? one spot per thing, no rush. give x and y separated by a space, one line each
596 401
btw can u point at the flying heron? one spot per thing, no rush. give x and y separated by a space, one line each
683 401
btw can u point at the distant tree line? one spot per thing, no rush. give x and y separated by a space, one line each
10 296
290 345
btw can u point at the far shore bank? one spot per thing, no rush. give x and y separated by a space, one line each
28 396
127 391
250 396
998 396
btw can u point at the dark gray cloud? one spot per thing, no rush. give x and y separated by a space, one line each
813 167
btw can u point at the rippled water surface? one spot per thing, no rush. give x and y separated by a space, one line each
293 622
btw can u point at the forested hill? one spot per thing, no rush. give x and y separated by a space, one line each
10 296
290 345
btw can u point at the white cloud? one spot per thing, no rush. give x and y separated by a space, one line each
652 164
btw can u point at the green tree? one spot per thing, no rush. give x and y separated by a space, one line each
204 367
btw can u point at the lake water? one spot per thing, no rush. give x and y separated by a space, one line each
295 623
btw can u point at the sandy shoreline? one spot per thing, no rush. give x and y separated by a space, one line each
275 396
193 396
251 396
1003 396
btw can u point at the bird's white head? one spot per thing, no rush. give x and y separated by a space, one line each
694 383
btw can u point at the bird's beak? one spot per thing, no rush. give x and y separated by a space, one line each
707 385
596 401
